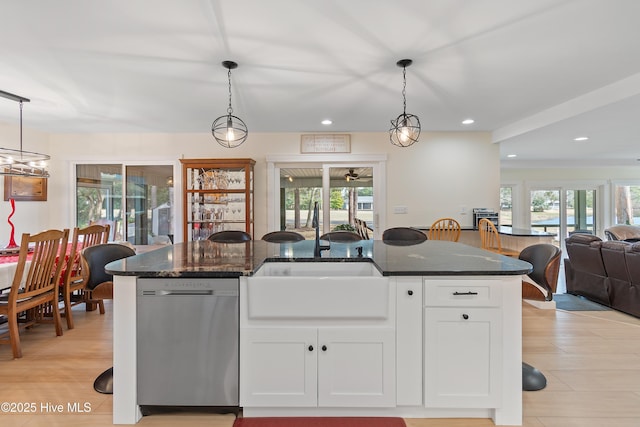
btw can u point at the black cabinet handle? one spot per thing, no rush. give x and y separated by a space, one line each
410 292
465 316
310 348
465 293
324 348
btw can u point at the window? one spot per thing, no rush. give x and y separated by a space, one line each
581 211
301 181
137 201
545 210
626 204
506 206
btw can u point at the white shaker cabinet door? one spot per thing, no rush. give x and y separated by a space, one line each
463 347
356 367
278 367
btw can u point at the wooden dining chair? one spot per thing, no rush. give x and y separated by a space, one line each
35 284
490 239
113 227
73 281
445 229
362 228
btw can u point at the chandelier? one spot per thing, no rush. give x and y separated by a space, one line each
229 130
405 129
19 162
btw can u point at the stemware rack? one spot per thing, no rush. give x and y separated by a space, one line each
218 195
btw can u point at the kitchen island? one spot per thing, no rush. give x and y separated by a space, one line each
514 238
428 330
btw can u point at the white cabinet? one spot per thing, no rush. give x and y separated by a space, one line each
462 344
409 359
356 367
278 367
308 367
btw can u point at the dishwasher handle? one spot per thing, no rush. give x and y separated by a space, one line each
191 292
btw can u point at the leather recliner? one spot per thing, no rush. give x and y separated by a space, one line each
615 264
584 269
628 233
605 272
632 294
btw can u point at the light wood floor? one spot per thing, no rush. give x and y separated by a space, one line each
591 361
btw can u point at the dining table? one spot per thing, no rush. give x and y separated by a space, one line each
8 266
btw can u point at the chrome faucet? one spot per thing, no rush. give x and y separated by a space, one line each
317 250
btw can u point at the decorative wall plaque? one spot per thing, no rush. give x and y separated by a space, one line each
25 188
325 143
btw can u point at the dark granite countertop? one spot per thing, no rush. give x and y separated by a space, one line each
523 232
209 259
508 231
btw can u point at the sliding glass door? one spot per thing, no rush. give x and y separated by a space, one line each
300 189
135 200
351 197
346 192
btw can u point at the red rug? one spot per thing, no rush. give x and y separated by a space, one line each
320 422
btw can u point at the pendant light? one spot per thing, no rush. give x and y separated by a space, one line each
229 130
19 162
405 129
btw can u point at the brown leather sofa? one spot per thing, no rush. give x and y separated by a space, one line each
628 233
607 272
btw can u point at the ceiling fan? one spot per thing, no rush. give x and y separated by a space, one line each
351 175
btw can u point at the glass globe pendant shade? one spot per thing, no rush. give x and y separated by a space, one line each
405 130
229 131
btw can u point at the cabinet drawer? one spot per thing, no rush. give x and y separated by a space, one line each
462 293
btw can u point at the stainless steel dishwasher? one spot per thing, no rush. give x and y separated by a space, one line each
188 342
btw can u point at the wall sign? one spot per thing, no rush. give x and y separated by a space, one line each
25 188
325 143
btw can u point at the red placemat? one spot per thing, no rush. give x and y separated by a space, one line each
320 422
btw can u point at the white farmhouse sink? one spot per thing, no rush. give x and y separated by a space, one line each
317 269
317 290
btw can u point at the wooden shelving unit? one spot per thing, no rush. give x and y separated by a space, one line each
218 195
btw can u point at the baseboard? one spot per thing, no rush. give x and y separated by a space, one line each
545 305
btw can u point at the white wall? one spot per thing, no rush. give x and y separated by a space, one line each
567 174
436 177
29 217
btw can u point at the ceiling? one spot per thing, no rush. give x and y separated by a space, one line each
536 74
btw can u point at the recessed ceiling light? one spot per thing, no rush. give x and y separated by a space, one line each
581 138
512 155
326 122
468 121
